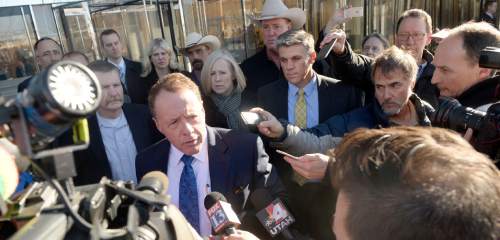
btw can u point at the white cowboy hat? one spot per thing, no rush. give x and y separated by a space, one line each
277 9
195 39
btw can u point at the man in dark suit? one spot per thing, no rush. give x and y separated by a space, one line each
199 159
130 71
118 132
306 99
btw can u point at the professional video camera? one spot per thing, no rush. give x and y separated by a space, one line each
486 125
58 98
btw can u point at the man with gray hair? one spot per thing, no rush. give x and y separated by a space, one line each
305 99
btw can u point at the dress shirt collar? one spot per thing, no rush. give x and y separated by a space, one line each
121 64
308 89
118 122
202 155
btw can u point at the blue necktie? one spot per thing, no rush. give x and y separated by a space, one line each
188 193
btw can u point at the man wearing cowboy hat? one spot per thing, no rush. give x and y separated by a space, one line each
263 68
197 48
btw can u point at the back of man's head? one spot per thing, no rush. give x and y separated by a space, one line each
476 36
416 183
103 66
393 59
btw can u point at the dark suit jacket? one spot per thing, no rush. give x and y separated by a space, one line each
92 163
237 161
334 97
136 87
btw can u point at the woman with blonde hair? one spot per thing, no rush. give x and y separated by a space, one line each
160 60
222 84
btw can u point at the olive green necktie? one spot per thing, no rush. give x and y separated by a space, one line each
300 121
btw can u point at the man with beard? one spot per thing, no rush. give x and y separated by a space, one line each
118 132
413 33
197 48
394 75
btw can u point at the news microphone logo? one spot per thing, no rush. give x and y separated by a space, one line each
275 217
221 216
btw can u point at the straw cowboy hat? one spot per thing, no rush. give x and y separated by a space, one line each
195 39
277 9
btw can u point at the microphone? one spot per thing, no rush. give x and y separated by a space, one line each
154 182
273 214
222 217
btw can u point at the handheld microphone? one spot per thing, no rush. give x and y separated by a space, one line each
155 182
152 183
222 217
273 214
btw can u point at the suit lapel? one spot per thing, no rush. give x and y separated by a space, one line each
324 99
97 147
218 161
135 128
282 99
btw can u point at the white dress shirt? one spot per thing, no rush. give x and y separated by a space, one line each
120 147
201 170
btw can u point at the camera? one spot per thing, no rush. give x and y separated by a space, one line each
61 97
486 125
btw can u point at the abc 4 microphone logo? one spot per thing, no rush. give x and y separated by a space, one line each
275 217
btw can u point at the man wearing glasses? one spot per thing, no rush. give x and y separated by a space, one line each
413 33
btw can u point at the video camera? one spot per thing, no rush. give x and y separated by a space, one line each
486 125
56 99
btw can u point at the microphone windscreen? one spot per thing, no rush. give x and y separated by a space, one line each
155 181
213 198
260 198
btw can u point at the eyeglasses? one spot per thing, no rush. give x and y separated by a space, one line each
415 36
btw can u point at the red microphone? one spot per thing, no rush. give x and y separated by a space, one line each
222 217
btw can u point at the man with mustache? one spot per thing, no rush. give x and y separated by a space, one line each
118 132
413 33
394 75
197 48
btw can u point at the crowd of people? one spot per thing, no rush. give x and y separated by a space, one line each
368 151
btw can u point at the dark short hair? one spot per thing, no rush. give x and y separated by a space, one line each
37 43
416 13
76 53
108 32
379 36
416 183
103 66
172 82
476 36
393 59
